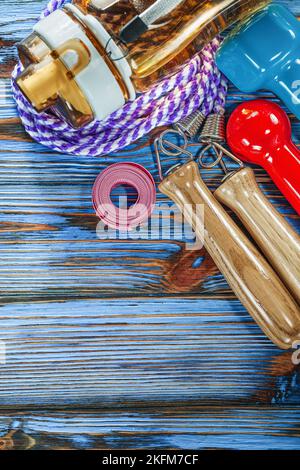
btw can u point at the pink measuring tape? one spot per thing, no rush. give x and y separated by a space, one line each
130 174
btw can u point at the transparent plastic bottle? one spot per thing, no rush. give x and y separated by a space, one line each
76 59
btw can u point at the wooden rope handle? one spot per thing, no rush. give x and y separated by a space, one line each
247 272
272 233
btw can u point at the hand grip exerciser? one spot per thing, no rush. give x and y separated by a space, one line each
276 238
250 276
259 132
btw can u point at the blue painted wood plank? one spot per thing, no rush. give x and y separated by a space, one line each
196 428
117 323
139 350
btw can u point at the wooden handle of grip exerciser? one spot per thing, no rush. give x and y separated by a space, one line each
245 269
275 237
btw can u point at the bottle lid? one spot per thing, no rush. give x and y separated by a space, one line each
105 84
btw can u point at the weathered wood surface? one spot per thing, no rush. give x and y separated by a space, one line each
139 350
115 324
193 427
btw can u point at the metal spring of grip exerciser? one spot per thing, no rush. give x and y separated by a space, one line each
214 129
166 147
214 136
191 125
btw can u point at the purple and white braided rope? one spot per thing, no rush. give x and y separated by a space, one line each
199 85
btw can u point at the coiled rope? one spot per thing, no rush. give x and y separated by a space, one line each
199 85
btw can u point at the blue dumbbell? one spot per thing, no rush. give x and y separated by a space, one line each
264 53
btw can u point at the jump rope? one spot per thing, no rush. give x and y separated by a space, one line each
198 85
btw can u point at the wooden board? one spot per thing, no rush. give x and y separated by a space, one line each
121 343
193 427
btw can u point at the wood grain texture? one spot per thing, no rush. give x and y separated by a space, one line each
111 352
274 236
192 427
120 325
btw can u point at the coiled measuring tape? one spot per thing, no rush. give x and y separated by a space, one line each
129 174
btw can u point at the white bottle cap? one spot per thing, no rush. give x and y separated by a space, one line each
96 81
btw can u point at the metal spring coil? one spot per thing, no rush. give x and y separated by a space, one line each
191 125
214 129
